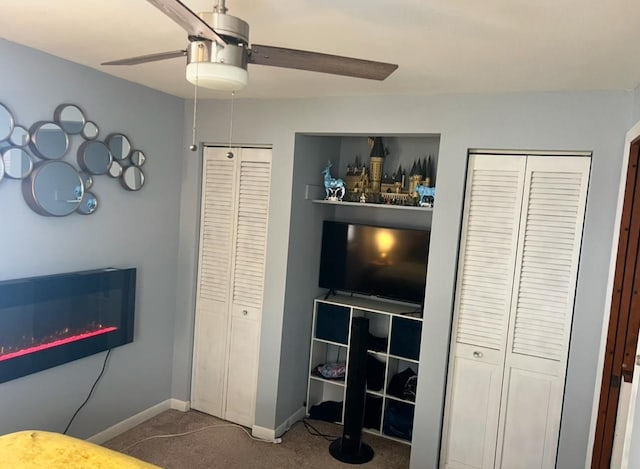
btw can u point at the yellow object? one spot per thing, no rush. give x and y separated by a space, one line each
376 163
45 450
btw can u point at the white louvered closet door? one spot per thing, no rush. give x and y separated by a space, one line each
235 200
481 314
542 310
217 216
248 283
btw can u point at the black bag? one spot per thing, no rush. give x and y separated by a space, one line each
403 385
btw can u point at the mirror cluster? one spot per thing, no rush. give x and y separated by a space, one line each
51 186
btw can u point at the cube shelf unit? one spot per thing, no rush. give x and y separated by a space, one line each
400 325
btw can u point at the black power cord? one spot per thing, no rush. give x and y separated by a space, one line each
315 432
104 366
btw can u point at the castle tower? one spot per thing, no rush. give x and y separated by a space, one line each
376 162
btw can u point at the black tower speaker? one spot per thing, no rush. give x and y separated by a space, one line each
350 448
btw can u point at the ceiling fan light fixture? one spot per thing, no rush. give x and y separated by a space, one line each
217 76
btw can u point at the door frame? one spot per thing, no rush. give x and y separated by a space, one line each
632 136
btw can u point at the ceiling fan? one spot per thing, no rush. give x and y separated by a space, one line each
219 52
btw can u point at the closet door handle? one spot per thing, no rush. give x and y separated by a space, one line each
477 354
245 312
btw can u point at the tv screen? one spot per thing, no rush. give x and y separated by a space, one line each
374 260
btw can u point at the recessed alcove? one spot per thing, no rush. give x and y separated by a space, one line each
313 152
311 155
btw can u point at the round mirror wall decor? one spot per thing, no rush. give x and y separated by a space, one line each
88 205
132 178
53 187
70 117
87 179
19 136
115 170
6 122
48 140
17 162
94 157
119 145
90 131
138 158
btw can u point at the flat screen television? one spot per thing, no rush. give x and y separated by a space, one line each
374 260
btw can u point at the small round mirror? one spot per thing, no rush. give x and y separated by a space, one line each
132 178
19 136
17 163
87 179
138 158
70 117
90 131
94 157
6 122
88 205
54 188
48 140
119 145
115 170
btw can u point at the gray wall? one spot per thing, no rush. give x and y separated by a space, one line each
635 112
128 230
302 270
595 121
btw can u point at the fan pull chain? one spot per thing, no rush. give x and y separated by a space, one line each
193 146
230 153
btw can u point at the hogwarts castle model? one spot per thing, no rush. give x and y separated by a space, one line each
373 185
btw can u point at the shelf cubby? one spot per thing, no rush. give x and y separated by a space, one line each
323 391
373 412
332 345
398 367
376 372
406 334
398 420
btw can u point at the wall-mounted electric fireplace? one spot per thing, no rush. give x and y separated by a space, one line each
51 320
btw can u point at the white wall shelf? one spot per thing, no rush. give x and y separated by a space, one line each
370 205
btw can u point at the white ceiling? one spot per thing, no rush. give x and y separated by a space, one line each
441 46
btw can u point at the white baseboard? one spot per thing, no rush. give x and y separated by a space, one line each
270 434
137 419
263 433
286 425
182 406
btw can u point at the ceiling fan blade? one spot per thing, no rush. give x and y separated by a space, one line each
187 19
316 62
141 59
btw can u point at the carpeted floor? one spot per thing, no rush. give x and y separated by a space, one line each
231 448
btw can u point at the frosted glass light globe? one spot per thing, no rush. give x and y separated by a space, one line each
217 76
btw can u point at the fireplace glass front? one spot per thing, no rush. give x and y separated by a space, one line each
51 320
